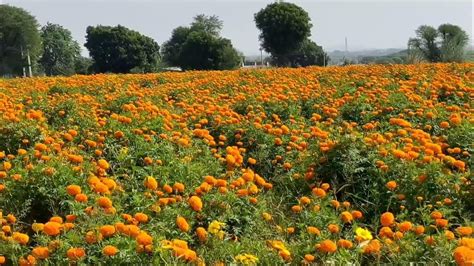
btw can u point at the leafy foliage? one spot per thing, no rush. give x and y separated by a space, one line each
445 44
283 28
60 51
119 49
18 35
309 54
199 47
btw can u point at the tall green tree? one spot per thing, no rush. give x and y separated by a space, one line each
202 51
60 50
210 24
200 47
19 35
309 54
425 43
453 41
283 29
83 65
121 50
171 49
445 44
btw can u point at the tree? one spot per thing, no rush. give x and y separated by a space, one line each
445 44
425 43
200 47
60 51
283 28
309 54
202 51
453 42
210 24
121 50
83 65
18 36
171 48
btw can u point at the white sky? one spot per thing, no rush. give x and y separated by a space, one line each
366 24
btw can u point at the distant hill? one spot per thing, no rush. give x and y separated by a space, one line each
373 56
338 57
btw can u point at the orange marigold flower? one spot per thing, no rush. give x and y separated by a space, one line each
182 224
333 228
305 200
309 258
343 243
373 247
387 219
405 226
81 197
357 214
52 228
319 192
449 235
391 185
327 246
20 238
104 202
141 217
144 239
57 219
436 215
464 230
196 203
201 234
419 229
444 124
313 230
109 250
386 232
118 134
107 230
103 164
131 230
464 255
325 186
7 166
296 208
40 252
73 190
75 253
29 261
441 223
150 183
178 187
466 241
346 217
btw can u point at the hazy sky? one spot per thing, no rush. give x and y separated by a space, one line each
366 24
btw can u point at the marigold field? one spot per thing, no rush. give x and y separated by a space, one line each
336 165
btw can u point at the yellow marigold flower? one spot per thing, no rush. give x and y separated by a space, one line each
363 234
246 259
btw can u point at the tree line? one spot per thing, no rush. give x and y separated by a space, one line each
285 31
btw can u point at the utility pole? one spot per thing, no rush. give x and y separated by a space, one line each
261 56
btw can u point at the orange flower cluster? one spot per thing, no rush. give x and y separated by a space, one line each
318 165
